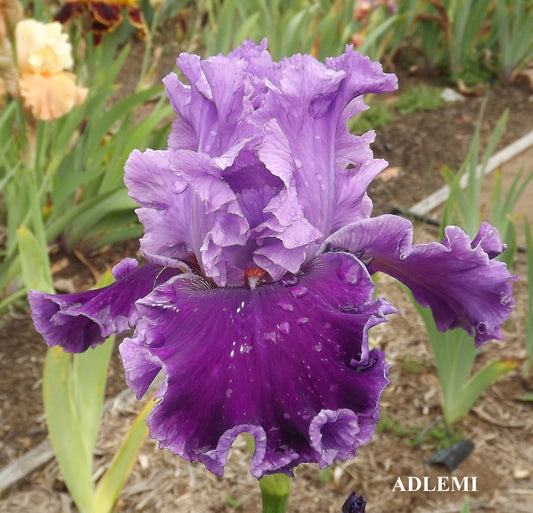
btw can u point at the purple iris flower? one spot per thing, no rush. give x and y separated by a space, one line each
354 504
257 297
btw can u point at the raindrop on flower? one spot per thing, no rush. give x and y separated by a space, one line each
270 335
284 327
245 349
299 291
288 307
290 280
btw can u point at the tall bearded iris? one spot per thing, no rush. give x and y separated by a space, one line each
256 298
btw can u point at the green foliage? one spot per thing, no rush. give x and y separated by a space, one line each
73 393
414 366
415 98
377 116
419 97
503 205
325 475
463 207
513 26
472 41
435 438
62 180
465 508
450 31
231 502
454 351
306 26
387 425
526 369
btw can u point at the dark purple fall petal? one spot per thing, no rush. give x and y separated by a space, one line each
457 278
85 319
289 363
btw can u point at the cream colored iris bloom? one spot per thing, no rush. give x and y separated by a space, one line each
43 54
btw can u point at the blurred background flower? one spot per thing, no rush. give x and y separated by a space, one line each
10 14
104 16
43 55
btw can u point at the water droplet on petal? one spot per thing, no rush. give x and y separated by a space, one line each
245 349
284 327
349 309
290 280
299 291
288 307
505 300
298 163
302 320
270 335
229 391
318 347
232 354
286 416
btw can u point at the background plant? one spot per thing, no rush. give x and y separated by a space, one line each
512 29
526 369
318 27
62 179
455 351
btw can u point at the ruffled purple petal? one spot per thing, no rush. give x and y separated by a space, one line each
256 172
307 144
457 278
215 115
362 76
171 231
288 363
216 206
84 319
181 220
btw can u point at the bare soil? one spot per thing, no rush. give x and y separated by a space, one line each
500 426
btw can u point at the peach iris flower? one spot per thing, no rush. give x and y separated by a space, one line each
43 54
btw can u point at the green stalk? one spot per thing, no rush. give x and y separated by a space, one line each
275 491
275 488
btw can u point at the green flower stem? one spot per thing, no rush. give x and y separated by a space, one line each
275 491
275 488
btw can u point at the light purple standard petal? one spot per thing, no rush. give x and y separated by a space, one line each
287 362
180 220
457 278
308 146
171 231
260 151
84 319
